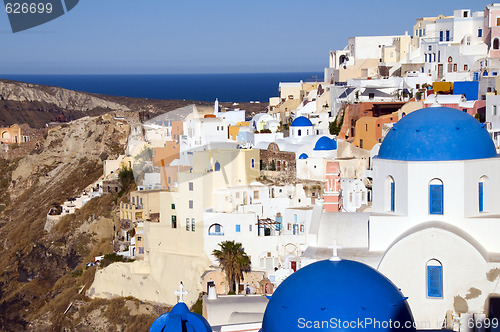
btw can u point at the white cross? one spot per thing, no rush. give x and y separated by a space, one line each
335 247
181 292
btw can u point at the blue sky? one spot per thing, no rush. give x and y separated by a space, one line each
219 36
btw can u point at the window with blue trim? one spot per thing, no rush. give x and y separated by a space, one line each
253 163
436 197
481 197
447 35
390 194
441 35
479 32
483 194
434 279
217 166
238 228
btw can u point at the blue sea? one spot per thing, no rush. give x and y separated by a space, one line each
199 87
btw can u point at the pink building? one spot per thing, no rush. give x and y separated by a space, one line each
331 195
491 33
458 102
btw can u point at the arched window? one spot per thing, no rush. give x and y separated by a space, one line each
496 43
436 196
482 193
434 271
217 166
216 229
299 132
390 194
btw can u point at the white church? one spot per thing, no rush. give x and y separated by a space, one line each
434 228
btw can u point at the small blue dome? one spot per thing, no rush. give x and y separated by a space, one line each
303 156
180 319
325 144
301 121
437 133
336 292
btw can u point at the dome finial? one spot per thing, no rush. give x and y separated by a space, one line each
180 293
335 247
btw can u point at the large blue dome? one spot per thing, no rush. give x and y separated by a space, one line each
301 121
325 144
437 133
180 319
336 292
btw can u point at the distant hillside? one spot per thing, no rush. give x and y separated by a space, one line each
38 105
43 276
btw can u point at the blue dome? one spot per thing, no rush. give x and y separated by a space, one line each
301 121
336 292
303 156
437 133
325 144
180 319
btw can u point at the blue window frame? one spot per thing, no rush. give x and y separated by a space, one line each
441 35
481 197
447 35
217 166
436 199
479 32
393 193
434 281
238 228
253 163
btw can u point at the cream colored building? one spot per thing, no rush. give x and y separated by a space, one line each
174 247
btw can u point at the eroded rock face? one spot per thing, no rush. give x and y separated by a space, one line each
88 137
63 98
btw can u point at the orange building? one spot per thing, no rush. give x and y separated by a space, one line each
233 131
11 135
166 154
177 130
369 130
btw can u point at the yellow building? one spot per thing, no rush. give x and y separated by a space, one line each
144 205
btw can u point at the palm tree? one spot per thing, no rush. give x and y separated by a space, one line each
233 261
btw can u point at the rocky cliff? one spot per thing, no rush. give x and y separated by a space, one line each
61 98
43 275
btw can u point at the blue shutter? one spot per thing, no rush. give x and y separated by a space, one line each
392 195
238 228
481 206
436 199
434 281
